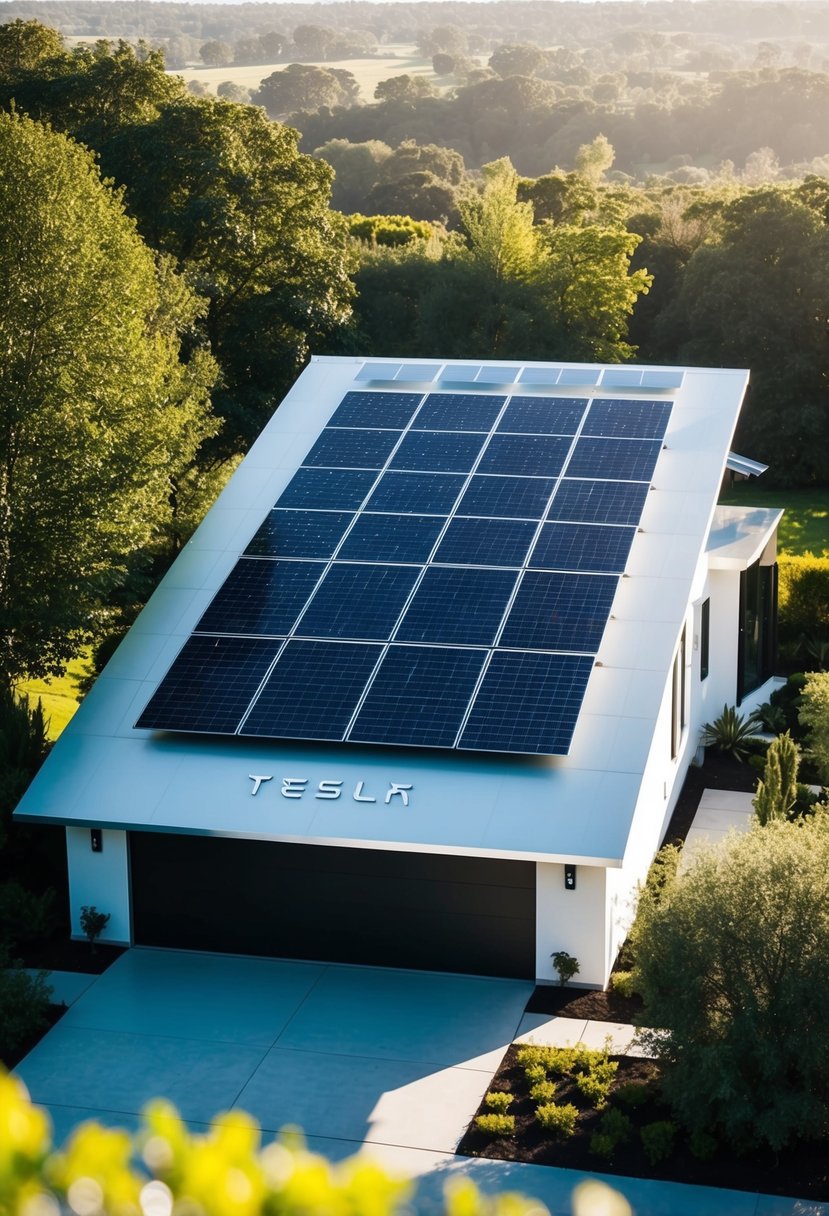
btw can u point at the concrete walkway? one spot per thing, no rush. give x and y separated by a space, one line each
719 812
389 1064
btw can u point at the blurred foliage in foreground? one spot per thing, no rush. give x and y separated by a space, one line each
167 1171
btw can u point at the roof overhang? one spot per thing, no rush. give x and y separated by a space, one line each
739 536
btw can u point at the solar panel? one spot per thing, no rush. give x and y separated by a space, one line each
599 502
438 573
532 455
312 691
392 538
628 419
390 410
616 459
339 489
419 696
487 542
540 416
507 497
440 609
600 548
358 601
261 597
354 449
300 534
458 412
439 451
210 685
527 702
559 612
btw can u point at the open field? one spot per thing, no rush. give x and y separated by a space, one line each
805 526
59 696
397 60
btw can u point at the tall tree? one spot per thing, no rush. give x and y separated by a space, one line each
98 415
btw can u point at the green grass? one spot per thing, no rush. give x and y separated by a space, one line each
805 525
60 696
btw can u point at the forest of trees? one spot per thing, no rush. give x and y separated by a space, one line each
228 260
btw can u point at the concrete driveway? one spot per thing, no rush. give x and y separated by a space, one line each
351 1054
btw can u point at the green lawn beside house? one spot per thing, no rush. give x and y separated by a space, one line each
805 525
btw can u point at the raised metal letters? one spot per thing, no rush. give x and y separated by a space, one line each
257 779
295 787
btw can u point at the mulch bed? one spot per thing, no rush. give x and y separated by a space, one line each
68 955
584 1003
802 1172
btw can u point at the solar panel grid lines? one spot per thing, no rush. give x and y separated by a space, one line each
498 566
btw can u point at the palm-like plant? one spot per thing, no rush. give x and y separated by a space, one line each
731 732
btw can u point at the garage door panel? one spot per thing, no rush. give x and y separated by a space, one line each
341 905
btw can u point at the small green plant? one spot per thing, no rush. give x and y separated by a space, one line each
730 733
614 1128
535 1073
777 791
543 1091
560 1120
658 1140
93 923
565 965
633 1094
621 982
496 1125
595 1085
772 717
702 1144
555 1060
498 1101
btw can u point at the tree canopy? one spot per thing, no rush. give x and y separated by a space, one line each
98 414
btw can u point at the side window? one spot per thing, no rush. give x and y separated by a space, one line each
704 636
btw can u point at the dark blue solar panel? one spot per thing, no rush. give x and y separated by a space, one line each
532 455
313 690
507 497
598 547
528 703
338 489
432 493
352 449
458 412
486 542
540 416
392 410
419 696
446 451
631 419
358 601
601 502
392 538
210 685
263 597
622 459
559 611
457 607
300 534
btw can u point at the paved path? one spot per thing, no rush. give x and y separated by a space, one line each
390 1064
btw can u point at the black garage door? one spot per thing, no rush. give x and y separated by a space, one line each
340 905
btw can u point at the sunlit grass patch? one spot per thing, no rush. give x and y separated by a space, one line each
805 525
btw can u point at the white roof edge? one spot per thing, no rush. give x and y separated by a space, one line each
739 535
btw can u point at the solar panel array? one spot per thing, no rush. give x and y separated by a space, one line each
438 573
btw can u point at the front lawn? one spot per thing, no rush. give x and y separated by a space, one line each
805 525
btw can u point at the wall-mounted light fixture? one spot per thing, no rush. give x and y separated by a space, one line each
96 840
570 878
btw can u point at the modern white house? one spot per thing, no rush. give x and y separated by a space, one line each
423 688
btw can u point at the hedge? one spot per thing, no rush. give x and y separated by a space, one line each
803 594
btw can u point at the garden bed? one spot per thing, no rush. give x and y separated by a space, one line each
801 1172
10 1059
68 955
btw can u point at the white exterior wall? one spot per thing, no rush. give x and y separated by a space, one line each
574 921
100 880
723 587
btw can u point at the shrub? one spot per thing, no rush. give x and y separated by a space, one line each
633 1094
555 1060
560 1120
498 1101
535 1073
602 1145
814 715
543 1091
565 965
24 1001
702 1145
24 916
614 1129
93 922
777 791
730 733
732 963
621 982
595 1085
496 1125
658 1140
803 593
